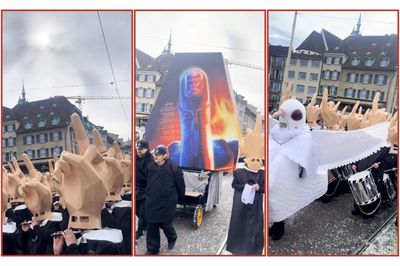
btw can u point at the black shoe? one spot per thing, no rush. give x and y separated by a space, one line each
277 230
171 245
355 211
152 252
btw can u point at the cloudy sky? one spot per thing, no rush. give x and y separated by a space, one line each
339 23
238 35
63 53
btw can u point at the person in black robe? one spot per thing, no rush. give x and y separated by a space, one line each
143 159
246 227
165 185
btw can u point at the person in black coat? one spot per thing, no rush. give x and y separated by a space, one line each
165 185
143 159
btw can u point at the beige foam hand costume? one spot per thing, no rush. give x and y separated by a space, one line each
393 130
114 178
36 193
313 112
354 120
377 115
16 179
329 112
286 93
365 121
252 146
82 188
57 178
342 122
126 164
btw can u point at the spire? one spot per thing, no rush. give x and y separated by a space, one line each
22 98
167 49
356 30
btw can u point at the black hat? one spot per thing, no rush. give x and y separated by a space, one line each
160 150
142 144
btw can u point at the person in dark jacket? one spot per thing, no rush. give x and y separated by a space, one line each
165 185
143 159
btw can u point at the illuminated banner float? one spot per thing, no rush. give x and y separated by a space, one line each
195 114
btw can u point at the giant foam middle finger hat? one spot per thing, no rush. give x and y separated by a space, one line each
82 188
37 195
114 178
16 179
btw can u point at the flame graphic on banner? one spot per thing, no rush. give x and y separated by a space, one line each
224 120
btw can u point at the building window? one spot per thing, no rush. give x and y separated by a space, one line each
28 125
277 74
334 75
300 89
313 76
142 78
349 92
291 74
355 61
311 90
41 122
56 136
293 61
43 153
315 63
384 62
337 60
365 78
302 75
140 92
29 140
369 61
352 77
276 86
148 93
139 107
149 107
304 62
150 78
278 62
332 90
42 138
381 79
10 128
363 94
326 74
55 120
11 142
328 60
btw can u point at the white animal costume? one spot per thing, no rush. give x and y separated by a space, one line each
299 158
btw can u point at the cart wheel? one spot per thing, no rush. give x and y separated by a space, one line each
198 216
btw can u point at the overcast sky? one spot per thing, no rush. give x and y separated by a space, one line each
50 51
238 35
339 23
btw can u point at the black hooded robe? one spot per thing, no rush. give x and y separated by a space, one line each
246 228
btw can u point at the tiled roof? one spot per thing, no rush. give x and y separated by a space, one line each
143 59
278 50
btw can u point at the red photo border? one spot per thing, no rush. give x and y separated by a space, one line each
1 119
265 127
398 190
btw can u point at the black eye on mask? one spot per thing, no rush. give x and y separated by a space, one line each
297 115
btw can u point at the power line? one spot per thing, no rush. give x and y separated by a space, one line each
352 19
207 45
112 69
74 85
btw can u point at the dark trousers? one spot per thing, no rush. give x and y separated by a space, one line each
140 214
153 235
